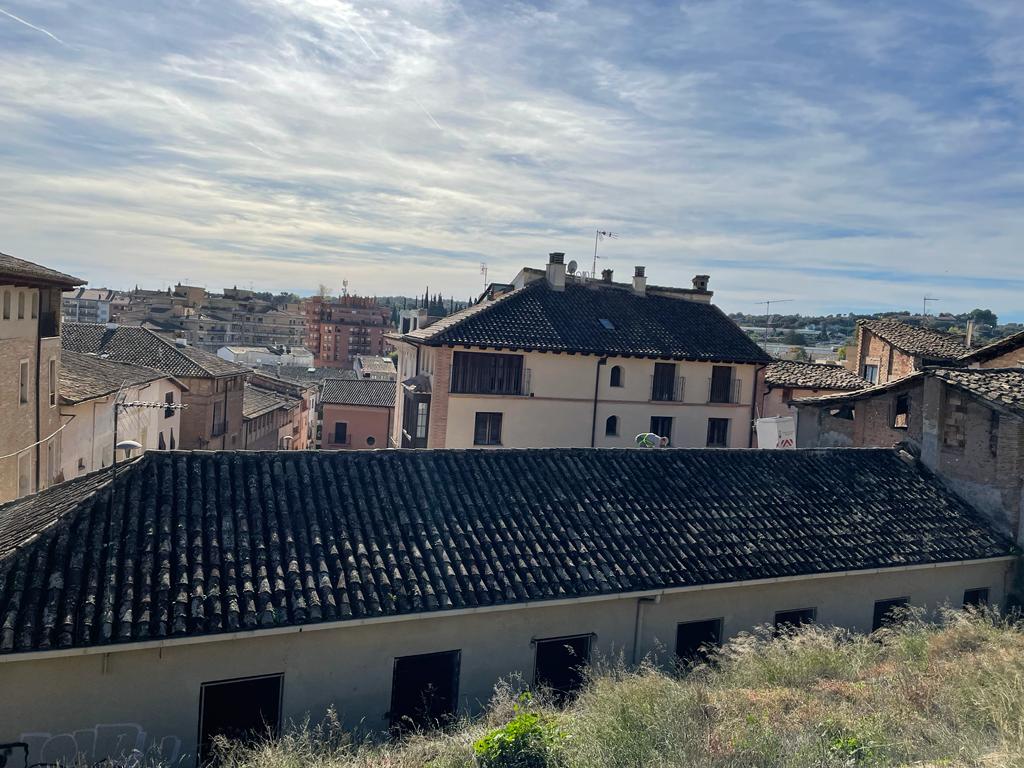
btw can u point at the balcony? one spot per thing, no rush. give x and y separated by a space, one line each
520 386
668 390
724 392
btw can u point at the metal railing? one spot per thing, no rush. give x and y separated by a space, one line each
668 390
725 394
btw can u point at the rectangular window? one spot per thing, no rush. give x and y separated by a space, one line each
901 412
218 419
976 598
695 638
871 373
662 427
790 620
561 663
721 385
487 429
35 305
424 690
23 383
168 400
244 710
340 433
664 382
718 433
888 612
51 375
422 412
486 374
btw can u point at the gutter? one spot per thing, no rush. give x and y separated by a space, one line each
651 595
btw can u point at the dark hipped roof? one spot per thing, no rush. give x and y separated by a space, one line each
85 377
1001 387
199 543
1002 346
915 340
379 393
133 344
596 319
791 373
21 272
257 401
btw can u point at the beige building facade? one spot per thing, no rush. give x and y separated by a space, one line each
150 696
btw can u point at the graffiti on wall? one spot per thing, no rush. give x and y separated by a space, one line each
124 744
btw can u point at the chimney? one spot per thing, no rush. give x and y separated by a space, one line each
606 275
968 341
639 281
700 282
556 271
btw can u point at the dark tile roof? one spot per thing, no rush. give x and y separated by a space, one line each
1015 341
1002 387
915 340
85 377
198 543
19 271
791 373
133 344
303 373
538 318
376 392
912 380
257 401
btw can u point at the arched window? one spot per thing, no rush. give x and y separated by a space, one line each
611 426
616 380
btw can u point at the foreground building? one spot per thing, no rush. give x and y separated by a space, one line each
967 425
213 386
30 352
205 593
90 386
556 360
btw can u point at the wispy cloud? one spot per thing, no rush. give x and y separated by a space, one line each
844 155
31 26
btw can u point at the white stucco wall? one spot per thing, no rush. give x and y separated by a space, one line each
151 696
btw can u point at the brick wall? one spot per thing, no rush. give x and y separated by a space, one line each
197 418
438 430
891 362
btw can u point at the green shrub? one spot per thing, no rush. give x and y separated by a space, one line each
527 741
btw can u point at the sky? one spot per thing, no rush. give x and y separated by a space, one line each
846 156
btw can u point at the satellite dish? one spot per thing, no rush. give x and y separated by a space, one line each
571 268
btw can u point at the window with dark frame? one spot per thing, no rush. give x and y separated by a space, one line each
662 427
695 639
168 401
615 376
721 384
663 384
424 690
340 432
870 373
889 612
483 373
611 426
787 621
718 433
244 710
487 429
901 412
422 411
560 664
976 598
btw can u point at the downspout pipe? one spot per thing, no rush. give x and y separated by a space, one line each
753 405
597 384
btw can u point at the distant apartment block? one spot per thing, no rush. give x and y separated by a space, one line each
89 305
552 360
30 354
339 330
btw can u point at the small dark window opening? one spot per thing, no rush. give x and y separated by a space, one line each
901 415
243 710
611 426
425 690
662 427
487 429
889 612
696 639
168 400
844 412
718 433
787 621
561 665
160 444
976 598
616 376
371 441
340 432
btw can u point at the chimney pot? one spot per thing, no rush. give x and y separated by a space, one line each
606 275
556 258
700 282
639 271
639 281
555 272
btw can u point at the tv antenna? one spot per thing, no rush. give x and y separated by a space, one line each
768 313
600 235
924 304
344 287
483 271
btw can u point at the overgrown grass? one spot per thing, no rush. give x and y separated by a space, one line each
946 694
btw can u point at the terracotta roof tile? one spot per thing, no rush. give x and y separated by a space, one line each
1003 387
375 392
15 269
791 373
916 340
85 377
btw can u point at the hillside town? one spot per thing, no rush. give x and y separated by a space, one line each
224 512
